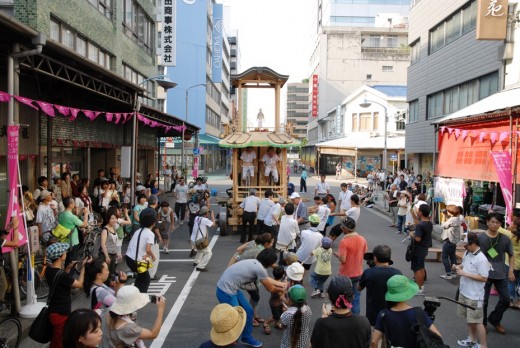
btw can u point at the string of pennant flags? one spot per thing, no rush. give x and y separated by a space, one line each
72 113
481 135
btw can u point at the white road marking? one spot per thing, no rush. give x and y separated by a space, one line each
176 260
177 306
158 289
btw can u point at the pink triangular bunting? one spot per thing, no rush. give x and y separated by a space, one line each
482 136
109 116
457 133
493 136
46 107
464 134
503 136
64 110
26 101
73 113
4 97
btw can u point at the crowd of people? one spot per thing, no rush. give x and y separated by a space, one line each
285 237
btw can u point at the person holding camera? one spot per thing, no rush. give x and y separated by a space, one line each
374 280
140 248
451 236
96 275
120 326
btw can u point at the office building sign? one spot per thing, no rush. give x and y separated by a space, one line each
492 19
166 14
314 95
216 57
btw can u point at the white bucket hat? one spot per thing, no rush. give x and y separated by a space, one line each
129 300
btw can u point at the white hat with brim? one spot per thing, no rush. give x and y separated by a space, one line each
227 323
294 195
129 300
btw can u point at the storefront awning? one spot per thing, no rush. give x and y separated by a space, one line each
206 139
506 99
368 143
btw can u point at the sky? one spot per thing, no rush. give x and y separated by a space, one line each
277 34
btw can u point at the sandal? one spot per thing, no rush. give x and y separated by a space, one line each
267 329
256 323
260 320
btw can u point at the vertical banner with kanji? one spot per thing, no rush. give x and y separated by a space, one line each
13 208
167 14
502 160
315 95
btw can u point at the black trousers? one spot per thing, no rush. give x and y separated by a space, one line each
303 185
260 227
180 210
142 280
247 218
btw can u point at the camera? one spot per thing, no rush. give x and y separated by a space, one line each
430 306
153 298
129 275
369 258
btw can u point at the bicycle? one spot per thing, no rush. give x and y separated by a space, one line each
10 333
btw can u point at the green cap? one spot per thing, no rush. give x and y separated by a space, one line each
314 219
400 289
297 294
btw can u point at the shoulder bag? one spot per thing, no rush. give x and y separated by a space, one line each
203 242
144 264
41 329
410 249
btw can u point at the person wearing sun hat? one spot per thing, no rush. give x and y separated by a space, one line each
395 322
296 319
119 329
60 303
227 323
337 327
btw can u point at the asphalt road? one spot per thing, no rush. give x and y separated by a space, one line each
191 295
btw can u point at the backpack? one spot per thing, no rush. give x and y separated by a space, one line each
425 337
96 245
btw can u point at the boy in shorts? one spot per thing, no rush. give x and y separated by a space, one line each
276 303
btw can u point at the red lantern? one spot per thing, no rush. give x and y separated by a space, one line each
187 136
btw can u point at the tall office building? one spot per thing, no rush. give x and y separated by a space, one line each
358 42
297 108
200 97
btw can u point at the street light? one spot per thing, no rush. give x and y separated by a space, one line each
365 104
184 163
164 82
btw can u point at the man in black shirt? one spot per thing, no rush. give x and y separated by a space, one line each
374 280
422 237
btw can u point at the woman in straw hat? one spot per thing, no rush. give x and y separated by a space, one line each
396 322
227 323
119 326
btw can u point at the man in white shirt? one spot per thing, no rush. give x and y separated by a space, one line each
322 188
247 161
200 230
286 240
270 160
167 174
382 179
250 206
180 193
473 273
323 212
344 198
353 212
311 240
272 220
263 210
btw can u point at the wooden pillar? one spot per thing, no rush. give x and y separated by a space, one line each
236 175
277 108
283 177
239 111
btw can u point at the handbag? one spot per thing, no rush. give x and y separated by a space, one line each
144 264
41 329
410 249
201 243
61 232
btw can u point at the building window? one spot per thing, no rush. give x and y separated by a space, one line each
212 118
369 76
365 121
103 6
137 78
416 51
376 121
72 39
413 113
388 68
354 122
488 85
374 40
391 41
459 23
435 105
138 25
357 20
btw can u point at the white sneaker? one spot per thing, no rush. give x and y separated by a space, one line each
421 292
322 295
466 342
166 251
446 276
315 294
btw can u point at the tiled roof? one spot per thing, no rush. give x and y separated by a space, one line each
391 90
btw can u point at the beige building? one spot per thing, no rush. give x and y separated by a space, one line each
297 108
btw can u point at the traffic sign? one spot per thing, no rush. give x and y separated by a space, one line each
196 151
393 158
